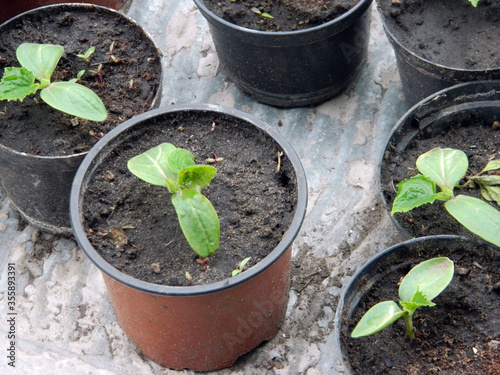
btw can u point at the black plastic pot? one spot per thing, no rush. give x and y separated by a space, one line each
421 77
200 327
295 68
464 105
401 258
39 186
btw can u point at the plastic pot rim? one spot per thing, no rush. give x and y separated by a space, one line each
490 85
344 19
368 264
276 253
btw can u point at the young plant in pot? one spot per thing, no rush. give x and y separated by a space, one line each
213 180
290 53
449 298
445 168
431 41
462 184
44 137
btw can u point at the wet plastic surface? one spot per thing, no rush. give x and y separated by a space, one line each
64 321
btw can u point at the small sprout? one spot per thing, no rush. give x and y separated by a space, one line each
241 267
445 168
474 2
87 54
80 74
174 168
38 62
98 73
418 288
262 14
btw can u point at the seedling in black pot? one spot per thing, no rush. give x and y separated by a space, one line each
418 288
445 167
38 62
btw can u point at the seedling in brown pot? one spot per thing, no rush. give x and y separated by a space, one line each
241 267
418 288
174 168
445 167
38 62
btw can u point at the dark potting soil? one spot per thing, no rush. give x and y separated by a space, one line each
479 139
127 87
460 335
288 15
134 227
450 33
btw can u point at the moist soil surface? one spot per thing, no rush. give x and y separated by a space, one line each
134 227
288 15
127 82
460 335
450 33
477 137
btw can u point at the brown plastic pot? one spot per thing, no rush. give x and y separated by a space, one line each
13 8
201 327
39 186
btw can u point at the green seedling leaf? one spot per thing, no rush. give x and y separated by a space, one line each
40 59
429 278
444 166
380 316
87 54
74 99
474 2
197 177
241 267
152 166
418 300
414 192
180 159
489 187
491 166
17 83
477 216
199 221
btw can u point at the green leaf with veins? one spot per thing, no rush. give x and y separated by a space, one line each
198 220
40 59
444 166
74 99
152 165
414 192
17 83
477 216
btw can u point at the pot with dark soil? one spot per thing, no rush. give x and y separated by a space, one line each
440 43
466 118
457 333
13 8
185 310
42 147
290 53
